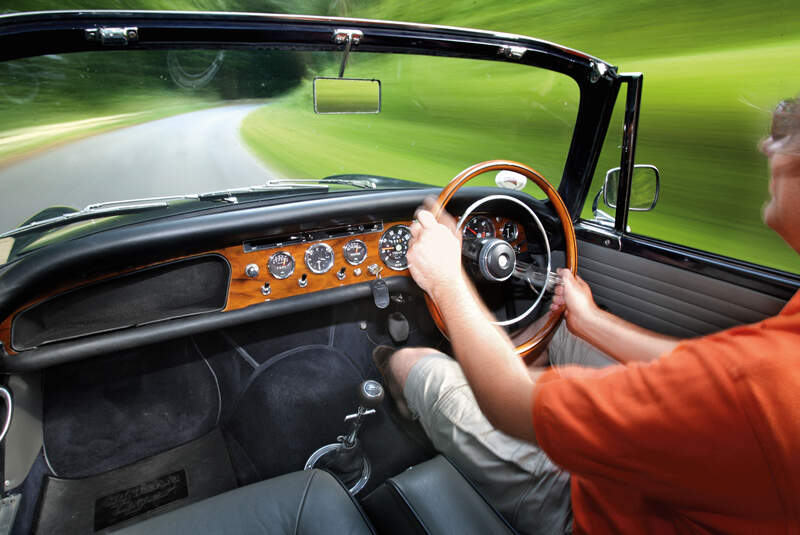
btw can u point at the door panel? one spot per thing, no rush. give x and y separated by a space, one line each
668 299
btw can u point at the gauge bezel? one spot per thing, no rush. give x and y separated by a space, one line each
366 252
273 255
380 253
308 252
514 226
481 217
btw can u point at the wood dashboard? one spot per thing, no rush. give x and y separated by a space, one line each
252 282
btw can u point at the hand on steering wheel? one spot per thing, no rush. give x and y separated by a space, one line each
495 257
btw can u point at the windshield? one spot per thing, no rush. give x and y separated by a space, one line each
95 127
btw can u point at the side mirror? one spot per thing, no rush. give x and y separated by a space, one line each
645 186
346 95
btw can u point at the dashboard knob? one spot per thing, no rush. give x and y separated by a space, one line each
251 270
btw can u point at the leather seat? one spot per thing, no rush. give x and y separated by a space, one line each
302 503
433 498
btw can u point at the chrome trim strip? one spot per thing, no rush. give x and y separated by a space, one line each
6 395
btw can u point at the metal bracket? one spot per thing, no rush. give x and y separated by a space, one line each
598 70
349 38
112 36
512 52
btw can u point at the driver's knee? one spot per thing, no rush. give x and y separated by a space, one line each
402 360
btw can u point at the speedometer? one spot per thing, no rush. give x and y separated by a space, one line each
319 258
393 247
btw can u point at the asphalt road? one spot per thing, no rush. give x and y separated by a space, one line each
194 152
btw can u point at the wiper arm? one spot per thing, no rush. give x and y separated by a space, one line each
273 184
90 212
358 183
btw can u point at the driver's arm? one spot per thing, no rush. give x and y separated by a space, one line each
501 383
618 338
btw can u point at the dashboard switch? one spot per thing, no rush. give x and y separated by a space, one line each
341 274
357 272
303 282
266 290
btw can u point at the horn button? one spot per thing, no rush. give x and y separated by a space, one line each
491 258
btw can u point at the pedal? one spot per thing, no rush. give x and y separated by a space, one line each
398 327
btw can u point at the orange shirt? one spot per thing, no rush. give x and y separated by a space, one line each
704 440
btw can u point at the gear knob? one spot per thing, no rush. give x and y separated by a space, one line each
370 394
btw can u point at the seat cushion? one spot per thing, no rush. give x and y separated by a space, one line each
302 503
433 498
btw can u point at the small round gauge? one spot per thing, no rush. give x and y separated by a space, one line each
478 227
319 258
393 247
280 265
510 231
355 252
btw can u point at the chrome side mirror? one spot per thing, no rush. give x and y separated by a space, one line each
645 186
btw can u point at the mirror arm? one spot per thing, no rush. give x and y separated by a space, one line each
350 38
633 103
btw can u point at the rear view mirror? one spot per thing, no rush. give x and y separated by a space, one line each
346 95
644 188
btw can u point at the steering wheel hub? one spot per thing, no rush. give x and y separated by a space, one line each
492 259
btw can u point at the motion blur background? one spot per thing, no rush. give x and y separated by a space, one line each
713 72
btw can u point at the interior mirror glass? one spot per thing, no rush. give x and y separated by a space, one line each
347 95
644 188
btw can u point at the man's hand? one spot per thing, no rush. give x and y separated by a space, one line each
434 254
616 337
574 294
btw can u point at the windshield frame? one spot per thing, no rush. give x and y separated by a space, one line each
32 34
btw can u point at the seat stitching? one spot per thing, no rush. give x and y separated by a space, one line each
302 503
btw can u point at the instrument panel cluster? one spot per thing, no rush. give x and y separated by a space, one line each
285 265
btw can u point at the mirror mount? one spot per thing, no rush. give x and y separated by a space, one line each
349 38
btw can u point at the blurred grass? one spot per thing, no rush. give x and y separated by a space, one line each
712 70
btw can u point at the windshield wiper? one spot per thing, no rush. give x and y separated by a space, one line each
357 183
110 208
273 184
90 212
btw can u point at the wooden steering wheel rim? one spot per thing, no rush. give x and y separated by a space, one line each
571 253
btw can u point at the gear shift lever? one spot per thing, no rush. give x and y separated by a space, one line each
345 458
370 396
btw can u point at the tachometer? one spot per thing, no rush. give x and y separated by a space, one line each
478 227
355 252
319 258
394 246
281 265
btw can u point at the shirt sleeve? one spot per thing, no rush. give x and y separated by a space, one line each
669 425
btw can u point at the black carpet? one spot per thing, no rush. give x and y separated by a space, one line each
297 399
104 413
102 503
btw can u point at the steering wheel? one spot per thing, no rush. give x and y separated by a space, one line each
496 258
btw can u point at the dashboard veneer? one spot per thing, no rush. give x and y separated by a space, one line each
245 291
